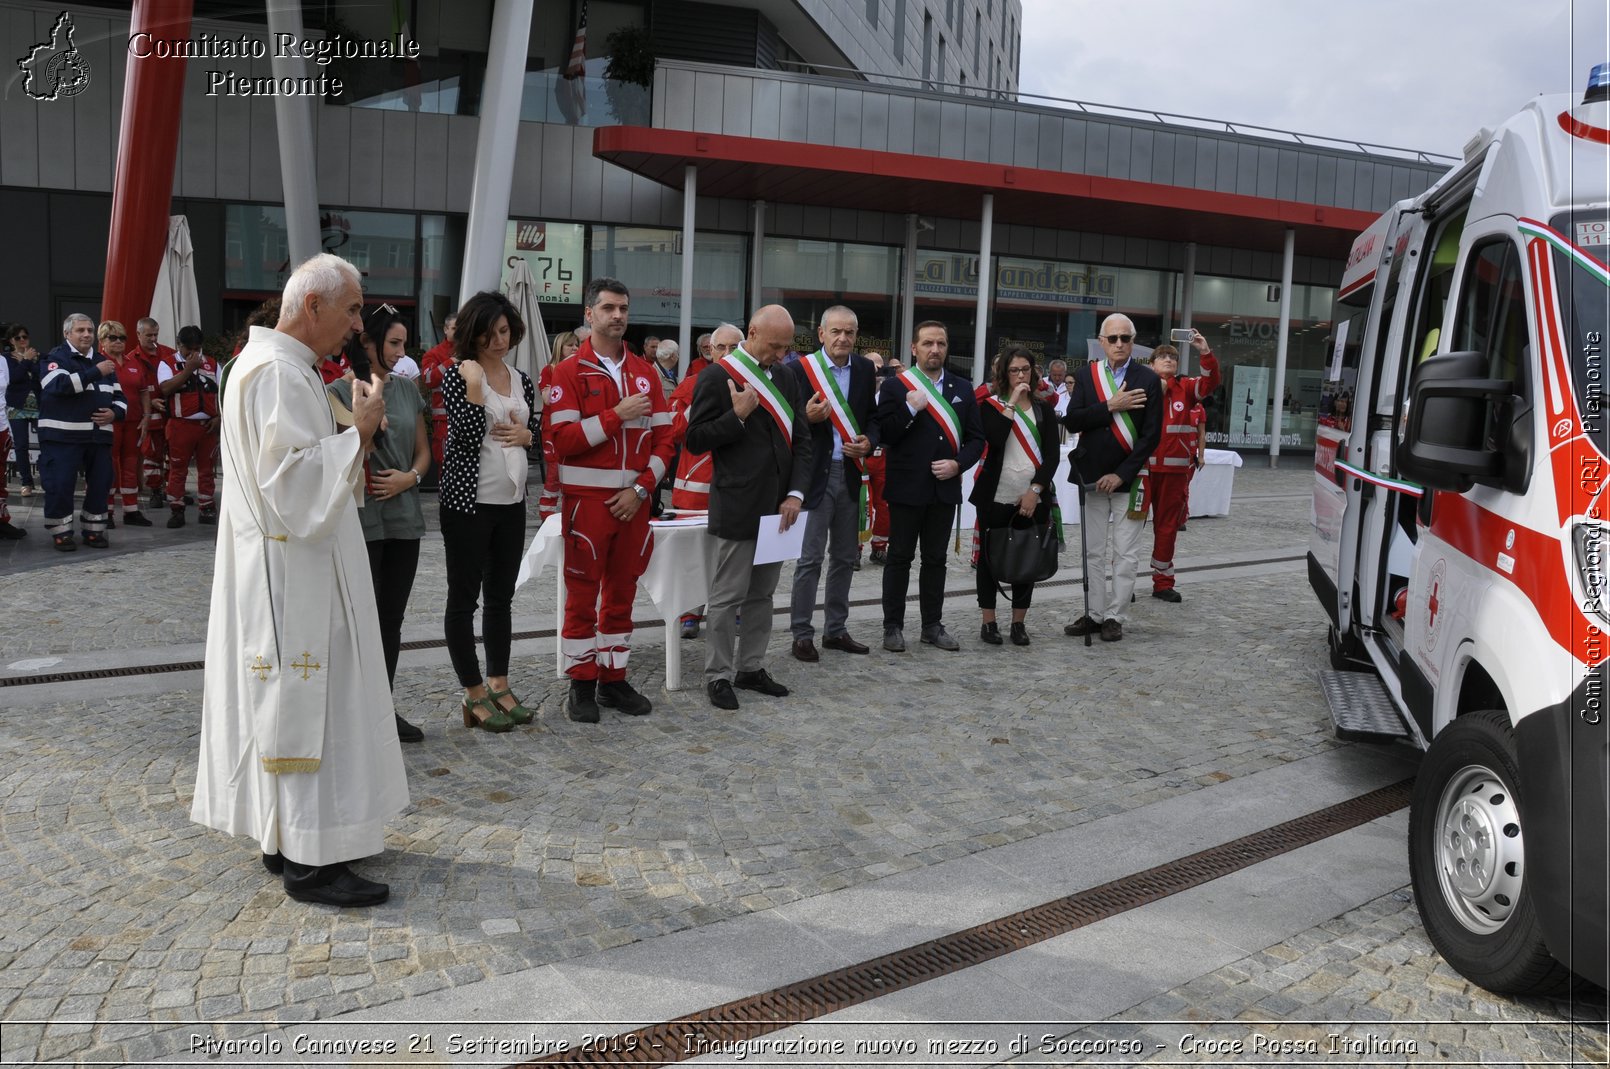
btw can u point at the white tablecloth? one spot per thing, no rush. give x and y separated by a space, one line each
1210 489
675 581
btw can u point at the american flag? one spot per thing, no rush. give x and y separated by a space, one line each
578 50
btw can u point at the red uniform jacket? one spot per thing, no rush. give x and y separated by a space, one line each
432 366
598 454
690 490
1177 448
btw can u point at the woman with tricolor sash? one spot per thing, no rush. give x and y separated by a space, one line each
1014 480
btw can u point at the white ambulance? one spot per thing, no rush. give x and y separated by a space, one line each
1461 536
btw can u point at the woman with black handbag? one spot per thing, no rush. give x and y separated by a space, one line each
1013 494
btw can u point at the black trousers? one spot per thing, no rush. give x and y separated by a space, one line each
483 560
909 526
392 564
995 515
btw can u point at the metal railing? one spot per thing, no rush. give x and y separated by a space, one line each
1016 96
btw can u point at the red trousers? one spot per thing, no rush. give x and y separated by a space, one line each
126 457
1168 514
438 439
156 456
603 556
189 438
877 472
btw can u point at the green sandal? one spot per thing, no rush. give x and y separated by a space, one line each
519 714
484 714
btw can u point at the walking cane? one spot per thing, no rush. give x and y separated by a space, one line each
1084 545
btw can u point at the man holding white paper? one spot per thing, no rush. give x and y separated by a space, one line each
750 418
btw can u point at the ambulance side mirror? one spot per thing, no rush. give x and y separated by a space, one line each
1445 445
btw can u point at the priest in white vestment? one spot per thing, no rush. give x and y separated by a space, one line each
298 742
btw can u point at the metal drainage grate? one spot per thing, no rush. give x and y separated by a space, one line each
720 1027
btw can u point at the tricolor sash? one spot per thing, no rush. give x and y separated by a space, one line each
818 369
1123 424
1026 433
741 366
949 424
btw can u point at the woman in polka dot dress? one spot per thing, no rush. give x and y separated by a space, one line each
491 422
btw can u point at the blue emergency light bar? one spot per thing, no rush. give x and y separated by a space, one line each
1598 84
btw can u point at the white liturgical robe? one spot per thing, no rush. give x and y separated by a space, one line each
298 743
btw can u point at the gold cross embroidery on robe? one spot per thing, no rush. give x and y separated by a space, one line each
306 664
262 668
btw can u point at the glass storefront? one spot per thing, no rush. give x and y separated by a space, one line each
809 277
649 261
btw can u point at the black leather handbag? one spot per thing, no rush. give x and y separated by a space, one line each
1026 554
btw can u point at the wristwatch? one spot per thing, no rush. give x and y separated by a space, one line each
1038 491
642 494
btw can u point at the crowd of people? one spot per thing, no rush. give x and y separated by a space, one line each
316 411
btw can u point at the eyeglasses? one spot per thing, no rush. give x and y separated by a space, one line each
388 309
1020 371
1119 339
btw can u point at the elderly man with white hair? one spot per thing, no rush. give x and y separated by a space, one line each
1116 406
298 738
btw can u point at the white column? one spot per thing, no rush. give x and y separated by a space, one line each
908 293
1187 296
755 265
690 196
1280 348
986 286
493 180
293 117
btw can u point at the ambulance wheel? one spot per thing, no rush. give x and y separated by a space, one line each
1467 859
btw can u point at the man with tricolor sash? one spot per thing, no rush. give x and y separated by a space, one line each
929 422
842 391
1116 408
749 415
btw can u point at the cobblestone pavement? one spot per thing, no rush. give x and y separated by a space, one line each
1364 988
121 919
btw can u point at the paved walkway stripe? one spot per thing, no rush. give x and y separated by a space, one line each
781 609
726 1027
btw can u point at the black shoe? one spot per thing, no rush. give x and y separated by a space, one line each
208 517
332 885
407 732
1112 631
10 533
274 863
176 519
111 522
760 681
721 695
96 540
156 501
1082 626
135 519
581 704
64 542
990 633
620 695
1170 595
1020 634
879 556
189 499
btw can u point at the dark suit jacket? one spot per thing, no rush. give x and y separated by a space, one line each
1099 451
997 432
754 468
861 399
911 444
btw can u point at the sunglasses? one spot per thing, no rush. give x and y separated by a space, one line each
1119 339
117 337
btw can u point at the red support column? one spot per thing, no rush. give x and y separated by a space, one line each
153 99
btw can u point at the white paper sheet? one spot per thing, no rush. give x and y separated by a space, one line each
774 545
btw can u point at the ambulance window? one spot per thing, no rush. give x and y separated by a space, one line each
1492 311
1491 320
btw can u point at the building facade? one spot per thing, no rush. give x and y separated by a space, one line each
844 150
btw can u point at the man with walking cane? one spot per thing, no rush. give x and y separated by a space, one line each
1116 406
